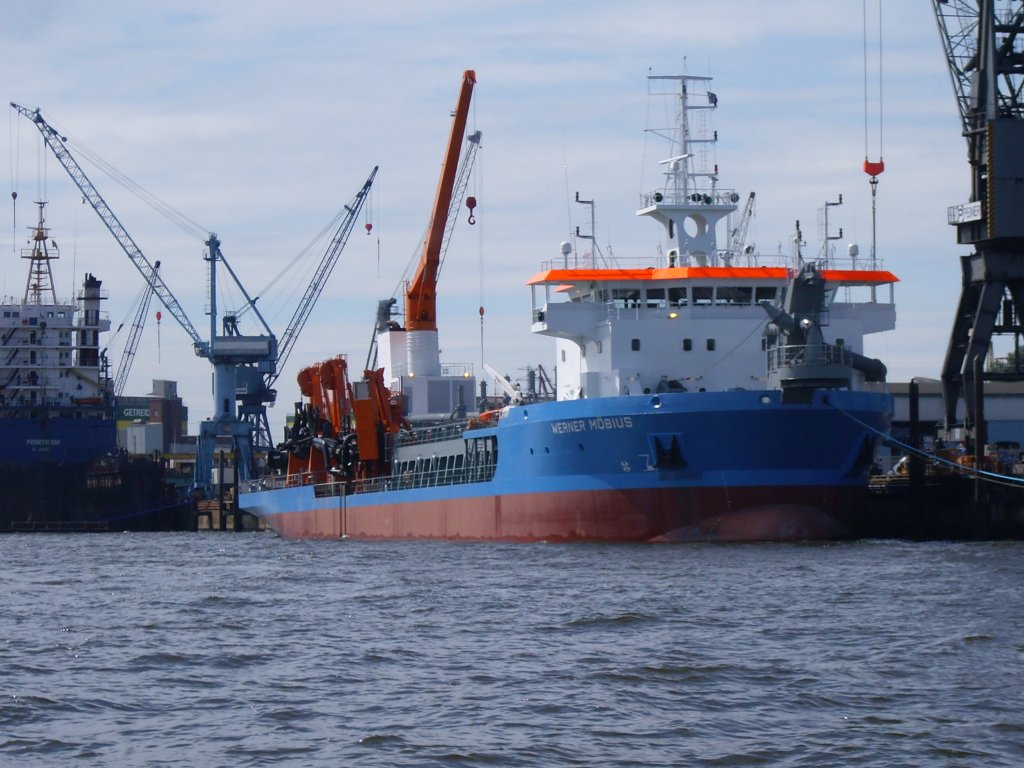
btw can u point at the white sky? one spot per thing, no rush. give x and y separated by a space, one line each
261 120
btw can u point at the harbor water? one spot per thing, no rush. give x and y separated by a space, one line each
250 650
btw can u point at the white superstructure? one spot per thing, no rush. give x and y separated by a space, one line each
687 317
49 348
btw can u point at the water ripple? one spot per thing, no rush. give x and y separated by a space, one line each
247 650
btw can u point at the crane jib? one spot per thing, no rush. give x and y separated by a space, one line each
56 143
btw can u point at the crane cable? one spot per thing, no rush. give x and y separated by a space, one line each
872 168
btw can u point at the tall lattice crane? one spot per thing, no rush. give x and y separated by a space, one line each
984 46
226 351
256 388
124 365
241 364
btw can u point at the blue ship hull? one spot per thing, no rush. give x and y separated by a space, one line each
728 466
62 441
64 474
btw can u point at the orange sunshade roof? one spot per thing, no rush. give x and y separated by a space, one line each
564 277
664 273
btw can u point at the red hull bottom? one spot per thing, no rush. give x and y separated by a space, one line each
641 515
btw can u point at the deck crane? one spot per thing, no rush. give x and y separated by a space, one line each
739 233
984 46
385 307
411 355
225 351
245 367
124 365
421 295
256 388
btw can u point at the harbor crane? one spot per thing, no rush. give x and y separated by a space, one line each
984 46
242 364
255 387
124 365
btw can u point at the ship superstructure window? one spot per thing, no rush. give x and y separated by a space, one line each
656 298
733 295
634 344
687 345
702 295
711 345
626 298
677 297
600 347
765 293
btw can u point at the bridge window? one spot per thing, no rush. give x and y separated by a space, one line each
625 298
702 295
656 298
765 293
729 294
677 297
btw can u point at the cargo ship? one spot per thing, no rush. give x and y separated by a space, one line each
60 465
696 395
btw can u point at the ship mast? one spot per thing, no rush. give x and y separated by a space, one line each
40 276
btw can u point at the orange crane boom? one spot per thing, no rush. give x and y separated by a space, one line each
421 295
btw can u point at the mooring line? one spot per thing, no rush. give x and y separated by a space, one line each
992 477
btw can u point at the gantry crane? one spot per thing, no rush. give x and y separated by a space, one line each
984 46
241 364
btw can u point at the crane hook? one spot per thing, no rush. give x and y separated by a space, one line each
471 204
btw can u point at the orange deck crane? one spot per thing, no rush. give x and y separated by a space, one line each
421 295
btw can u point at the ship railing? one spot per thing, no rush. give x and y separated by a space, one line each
294 480
722 258
792 355
430 478
705 195
81 322
448 370
324 484
420 435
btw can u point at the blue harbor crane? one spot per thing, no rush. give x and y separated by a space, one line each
244 366
256 387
